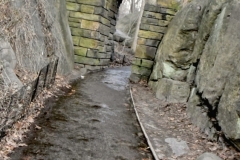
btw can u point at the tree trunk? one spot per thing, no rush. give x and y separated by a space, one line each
132 6
134 44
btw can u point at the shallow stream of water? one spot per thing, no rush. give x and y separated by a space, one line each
97 122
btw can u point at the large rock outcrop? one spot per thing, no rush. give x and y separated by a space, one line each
33 34
201 49
175 54
63 33
42 34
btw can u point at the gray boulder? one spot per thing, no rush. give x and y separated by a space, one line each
175 53
62 31
208 156
7 53
9 77
179 147
8 63
173 63
172 91
120 36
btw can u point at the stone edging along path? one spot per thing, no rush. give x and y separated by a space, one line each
142 127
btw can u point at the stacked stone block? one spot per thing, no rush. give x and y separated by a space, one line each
92 23
154 24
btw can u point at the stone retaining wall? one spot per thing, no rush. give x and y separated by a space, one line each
154 24
92 25
17 106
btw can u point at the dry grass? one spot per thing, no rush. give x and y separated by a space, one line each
10 20
20 25
15 135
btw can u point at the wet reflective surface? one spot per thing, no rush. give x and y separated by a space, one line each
118 79
95 123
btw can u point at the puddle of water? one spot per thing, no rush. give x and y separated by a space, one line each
117 80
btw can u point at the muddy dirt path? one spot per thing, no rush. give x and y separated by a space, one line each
96 122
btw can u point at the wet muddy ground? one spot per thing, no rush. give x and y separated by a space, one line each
93 122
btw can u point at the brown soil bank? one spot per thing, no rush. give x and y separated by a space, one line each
170 133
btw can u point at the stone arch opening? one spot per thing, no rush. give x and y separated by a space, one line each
93 24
